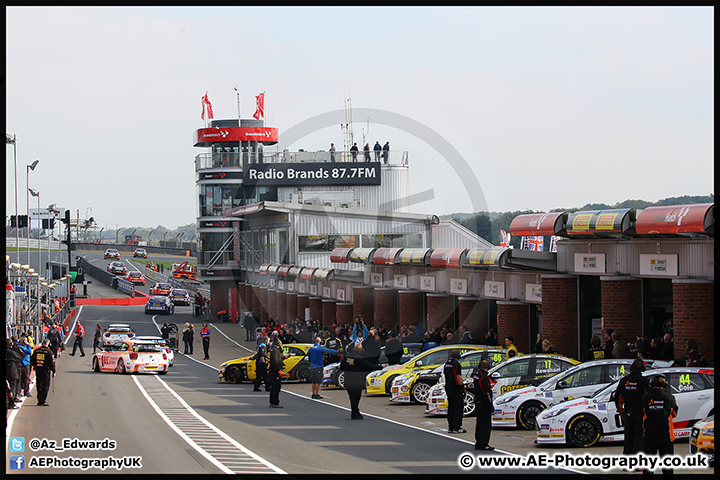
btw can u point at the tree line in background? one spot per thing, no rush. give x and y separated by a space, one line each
489 224
153 236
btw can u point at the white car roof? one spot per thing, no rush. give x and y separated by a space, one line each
118 325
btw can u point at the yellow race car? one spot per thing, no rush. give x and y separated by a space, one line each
702 438
297 365
380 382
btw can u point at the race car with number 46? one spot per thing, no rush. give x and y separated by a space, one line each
380 382
584 422
516 372
414 387
518 408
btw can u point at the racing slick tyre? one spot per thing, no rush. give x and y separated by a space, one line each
234 374
341 379
162 373
95 365
468 404
419 392
120 367
584 431
526 414
303 373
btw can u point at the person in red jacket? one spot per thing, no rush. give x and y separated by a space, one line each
79 335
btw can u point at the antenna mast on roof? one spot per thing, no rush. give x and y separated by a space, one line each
347 126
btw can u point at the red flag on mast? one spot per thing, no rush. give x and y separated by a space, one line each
260 108
206 106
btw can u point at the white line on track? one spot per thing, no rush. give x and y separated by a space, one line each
204 432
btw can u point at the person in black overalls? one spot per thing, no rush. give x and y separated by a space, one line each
659 408
275 366
261 368
356 368
628 400
483 406
44 364
455 391
54 337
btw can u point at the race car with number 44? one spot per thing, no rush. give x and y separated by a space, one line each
584 422
518 408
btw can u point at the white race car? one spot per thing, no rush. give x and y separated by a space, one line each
583 422
514 373
116 333
131 357
518 408
163 343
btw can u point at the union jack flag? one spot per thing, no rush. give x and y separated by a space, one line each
535 244
504 239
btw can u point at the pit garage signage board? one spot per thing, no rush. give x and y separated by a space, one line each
659 265
590 262
533 292
494 289
312 174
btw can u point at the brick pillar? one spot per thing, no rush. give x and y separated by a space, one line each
621 307
251 298
440 311
272 304
303 302
560 313
329 312
386 307
291 306
281 307
514 319
344 313
410 309
315 308
242 297
694 317
364 304
473 313
262 304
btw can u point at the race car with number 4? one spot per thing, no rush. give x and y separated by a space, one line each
518 408
584 422
517 372
296 365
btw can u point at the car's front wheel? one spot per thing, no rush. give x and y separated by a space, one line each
420 392
234 374
468 404
95 365
584 431
303 373
526 414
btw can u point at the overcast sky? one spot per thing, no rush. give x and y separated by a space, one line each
551 107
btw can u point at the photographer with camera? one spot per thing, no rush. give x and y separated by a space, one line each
357 329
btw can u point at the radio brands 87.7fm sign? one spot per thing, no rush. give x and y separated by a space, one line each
307 174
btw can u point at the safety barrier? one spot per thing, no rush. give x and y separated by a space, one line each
126 287
112 301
